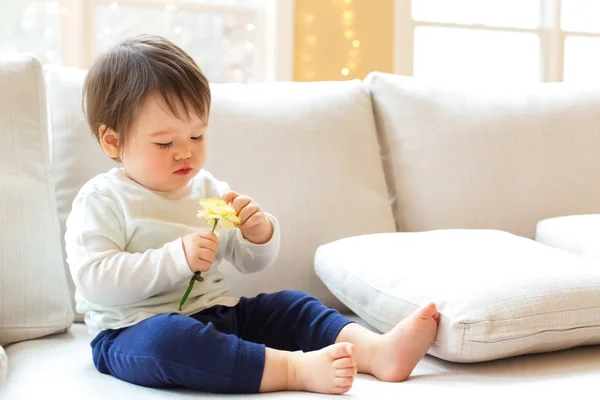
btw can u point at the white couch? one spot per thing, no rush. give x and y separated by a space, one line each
332 160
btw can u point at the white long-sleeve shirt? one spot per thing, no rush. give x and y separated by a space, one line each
125 251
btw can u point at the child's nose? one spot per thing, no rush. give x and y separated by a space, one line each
183 152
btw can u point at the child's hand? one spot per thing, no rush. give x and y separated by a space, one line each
200 250
253 224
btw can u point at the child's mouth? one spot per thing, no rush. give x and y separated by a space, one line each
183 171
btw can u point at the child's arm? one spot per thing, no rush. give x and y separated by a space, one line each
102 271
250 257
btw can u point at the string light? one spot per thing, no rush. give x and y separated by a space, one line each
310 41
348 15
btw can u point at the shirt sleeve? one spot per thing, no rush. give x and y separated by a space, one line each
102 271
248 257
245 256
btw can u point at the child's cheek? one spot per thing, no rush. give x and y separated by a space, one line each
159 160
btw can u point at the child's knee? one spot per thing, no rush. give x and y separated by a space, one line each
296 296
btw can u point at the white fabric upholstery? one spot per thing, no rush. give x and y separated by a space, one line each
578 234
62 368
307 153
487 157
499 294
34 297
76 155
3 367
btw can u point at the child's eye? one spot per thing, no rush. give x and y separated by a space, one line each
197 138
164 145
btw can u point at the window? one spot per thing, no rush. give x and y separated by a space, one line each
498 40
232 40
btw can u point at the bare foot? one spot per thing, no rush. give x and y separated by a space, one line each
398 351
330 370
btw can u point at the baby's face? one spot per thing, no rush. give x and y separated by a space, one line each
161 151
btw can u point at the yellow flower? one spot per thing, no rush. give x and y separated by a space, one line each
215 210
219 210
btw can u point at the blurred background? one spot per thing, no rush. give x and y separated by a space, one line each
307 40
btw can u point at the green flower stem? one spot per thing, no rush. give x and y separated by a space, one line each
197 275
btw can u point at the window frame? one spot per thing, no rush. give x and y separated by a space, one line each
552 37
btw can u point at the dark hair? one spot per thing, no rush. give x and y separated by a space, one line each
119 81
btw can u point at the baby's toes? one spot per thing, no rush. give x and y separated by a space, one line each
346 362
346 372
344 382
339 350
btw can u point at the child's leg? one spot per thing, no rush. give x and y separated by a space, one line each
292 320
288 320
393 356
173 350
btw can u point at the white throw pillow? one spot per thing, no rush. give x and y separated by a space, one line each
500 157
34 297
578 234
307 152
499 295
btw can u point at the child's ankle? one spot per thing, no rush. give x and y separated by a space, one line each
292 372
280 371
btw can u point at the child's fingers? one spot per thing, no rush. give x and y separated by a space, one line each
229 197
203 266
206 255
247 212
240 202
253 221
208 239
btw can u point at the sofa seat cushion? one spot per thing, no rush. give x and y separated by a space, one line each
3 367
61 367
578 234
499 294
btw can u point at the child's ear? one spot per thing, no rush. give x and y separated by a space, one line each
109 140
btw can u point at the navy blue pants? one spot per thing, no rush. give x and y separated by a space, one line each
221 349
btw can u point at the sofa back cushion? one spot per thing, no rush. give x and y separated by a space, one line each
306 152
487 157
34 297
76 156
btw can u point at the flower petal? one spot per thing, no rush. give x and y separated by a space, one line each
217 208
